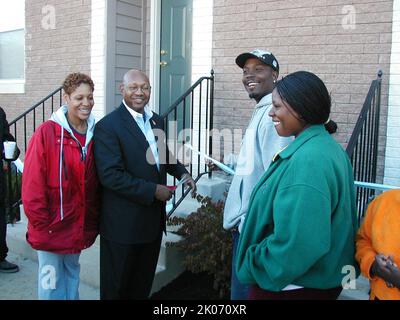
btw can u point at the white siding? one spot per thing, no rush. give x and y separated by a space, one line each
392 158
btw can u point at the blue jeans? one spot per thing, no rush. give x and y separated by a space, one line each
58 276
239 291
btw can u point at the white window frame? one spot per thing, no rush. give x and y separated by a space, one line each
12 86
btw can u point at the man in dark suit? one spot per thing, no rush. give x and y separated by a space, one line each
131 169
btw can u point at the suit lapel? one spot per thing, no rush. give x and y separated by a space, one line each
133 128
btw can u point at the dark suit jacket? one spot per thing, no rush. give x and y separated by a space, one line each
129 212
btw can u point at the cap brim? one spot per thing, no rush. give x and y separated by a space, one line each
242 58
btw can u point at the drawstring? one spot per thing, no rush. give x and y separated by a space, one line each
61 157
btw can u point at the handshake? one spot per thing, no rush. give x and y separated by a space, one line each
164 193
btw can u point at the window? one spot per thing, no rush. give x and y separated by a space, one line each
12 46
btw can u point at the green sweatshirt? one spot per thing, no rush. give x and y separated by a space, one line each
302 219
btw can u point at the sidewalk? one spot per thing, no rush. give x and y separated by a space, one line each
22 285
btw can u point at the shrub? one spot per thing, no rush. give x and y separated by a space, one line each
206 245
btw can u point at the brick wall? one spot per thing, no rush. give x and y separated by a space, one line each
51 53
317 36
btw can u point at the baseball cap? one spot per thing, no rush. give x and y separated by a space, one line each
264 56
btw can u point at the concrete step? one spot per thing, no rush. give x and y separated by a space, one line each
187 206
214 188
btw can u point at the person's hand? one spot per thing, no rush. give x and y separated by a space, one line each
163 193
386 269
188 180
211 165
394 272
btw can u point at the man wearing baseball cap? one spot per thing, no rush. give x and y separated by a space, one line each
259 145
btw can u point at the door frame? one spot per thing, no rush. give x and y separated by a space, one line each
155 47
155 37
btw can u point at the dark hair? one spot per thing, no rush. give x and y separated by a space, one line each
307 94
74 80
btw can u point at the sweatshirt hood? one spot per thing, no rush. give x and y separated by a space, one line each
60 118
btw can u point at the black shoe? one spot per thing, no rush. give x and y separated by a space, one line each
8 267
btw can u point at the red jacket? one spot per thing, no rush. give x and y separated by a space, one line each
74 225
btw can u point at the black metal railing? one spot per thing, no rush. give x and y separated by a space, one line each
22 129
189 120
363 145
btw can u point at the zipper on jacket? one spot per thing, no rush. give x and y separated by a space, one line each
82 149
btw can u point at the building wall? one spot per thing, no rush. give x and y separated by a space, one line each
344 45
126 43
51 53
392 159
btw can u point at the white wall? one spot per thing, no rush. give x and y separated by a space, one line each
201 62
392 158
98 55
202 38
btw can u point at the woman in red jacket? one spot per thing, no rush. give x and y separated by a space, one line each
60 190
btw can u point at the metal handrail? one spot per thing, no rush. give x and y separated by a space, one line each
36 105
205 125
362 148
375 186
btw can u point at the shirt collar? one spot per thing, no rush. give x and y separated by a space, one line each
136 115
303 137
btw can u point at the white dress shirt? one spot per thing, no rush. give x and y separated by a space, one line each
143 121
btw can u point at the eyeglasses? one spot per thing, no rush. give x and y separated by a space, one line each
136 89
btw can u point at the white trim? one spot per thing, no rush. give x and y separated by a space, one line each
155 21
392 156
202 36
110 43
12 86
98 56
9 21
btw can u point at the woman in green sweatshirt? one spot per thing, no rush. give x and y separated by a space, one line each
298 238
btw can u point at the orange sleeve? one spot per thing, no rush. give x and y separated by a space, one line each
365 252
